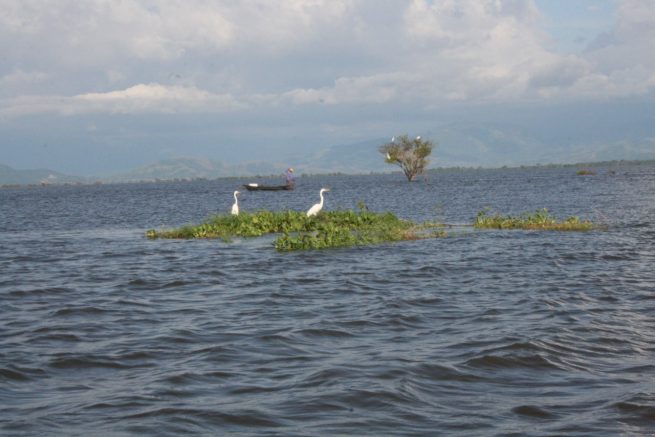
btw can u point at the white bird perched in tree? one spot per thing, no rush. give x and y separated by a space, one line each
393 139
319 206
235 207
418 137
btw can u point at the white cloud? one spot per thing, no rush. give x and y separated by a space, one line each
102 30
625 54
496 51
142 98
19 81
377 88
451 50
455 23
158 98
560 73
232 55
20 77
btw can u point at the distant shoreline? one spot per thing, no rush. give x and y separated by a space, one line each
577 165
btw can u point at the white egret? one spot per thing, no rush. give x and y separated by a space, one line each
388 157
235 207
418 137
317 207
393 139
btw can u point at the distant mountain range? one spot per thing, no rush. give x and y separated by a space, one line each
11 176
458 145
194 168
357 158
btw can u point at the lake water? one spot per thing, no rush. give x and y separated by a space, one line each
104 332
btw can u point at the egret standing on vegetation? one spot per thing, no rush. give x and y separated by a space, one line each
319 206
235 207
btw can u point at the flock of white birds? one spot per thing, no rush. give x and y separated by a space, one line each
315 209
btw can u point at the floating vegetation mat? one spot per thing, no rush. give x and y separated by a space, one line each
349 228
297 231
539 220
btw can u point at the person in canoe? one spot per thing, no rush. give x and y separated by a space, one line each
291 180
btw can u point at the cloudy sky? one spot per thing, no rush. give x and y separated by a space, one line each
97 86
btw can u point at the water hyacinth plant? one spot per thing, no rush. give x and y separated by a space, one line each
349 228
297 231
539 220
243 225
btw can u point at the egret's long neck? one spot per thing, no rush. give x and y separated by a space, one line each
321 193
235 197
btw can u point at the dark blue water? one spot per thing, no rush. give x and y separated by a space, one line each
480 333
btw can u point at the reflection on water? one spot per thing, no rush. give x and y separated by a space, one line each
483 332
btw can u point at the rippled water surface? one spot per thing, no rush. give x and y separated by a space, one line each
480 333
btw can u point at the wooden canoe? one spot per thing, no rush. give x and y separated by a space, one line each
260 187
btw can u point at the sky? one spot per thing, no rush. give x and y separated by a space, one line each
93 87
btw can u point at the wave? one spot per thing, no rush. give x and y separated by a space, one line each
637 410
534 411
